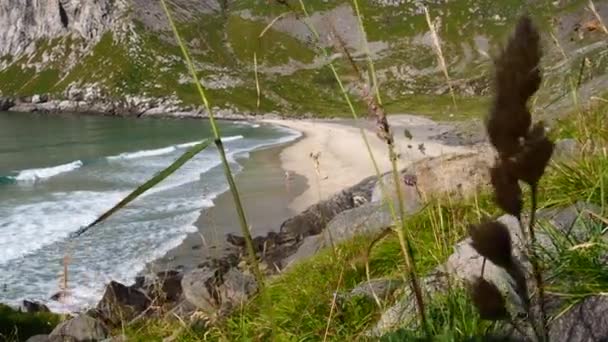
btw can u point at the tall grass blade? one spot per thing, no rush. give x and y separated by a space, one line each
159 177
218 142
439 52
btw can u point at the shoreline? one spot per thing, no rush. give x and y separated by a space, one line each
265 196
333 156
262 181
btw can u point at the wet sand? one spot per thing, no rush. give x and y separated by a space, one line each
265 194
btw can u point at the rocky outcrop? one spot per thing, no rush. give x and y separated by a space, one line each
121 303
314 219
81 328
6 103
585 322
22 23
212 289
33 307
465 265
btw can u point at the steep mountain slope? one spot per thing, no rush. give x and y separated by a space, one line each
120 54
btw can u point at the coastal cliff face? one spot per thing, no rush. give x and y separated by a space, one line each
120 56
23 23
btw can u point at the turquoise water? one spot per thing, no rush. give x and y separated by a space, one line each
58 173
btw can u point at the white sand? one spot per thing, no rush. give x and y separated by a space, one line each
343 157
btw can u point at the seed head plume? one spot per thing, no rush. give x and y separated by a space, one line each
491 239
374 108
524 152
517 78
530 163
488 300
507 192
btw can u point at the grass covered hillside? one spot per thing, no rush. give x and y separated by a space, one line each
138 55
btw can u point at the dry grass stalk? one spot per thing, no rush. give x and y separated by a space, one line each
333 305
598 17
257 79
383 131
240 211
439 52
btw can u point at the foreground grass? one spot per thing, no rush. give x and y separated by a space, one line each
297 304
18 326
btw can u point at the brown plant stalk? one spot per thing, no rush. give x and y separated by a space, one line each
383 131
523 149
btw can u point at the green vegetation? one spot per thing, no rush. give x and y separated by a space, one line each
147 63
309 301
301 297
18 326
274 48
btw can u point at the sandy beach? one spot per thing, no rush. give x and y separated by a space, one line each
332 154
280 182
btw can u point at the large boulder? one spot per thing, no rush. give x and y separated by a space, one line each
33 307
314 219
453 175
215 290
309 247
465 265
367 219
121 303
81 328
585 322
200 289
236 289
161 288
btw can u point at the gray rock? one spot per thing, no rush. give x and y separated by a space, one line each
33 307
22 23
309 247
409 191
23 108
314 219
236 289
403 313
462 267
576 222
40 98
566 149
465 264
6 103
379 289
585 322
121 304
369 218
200 289
81 328
451 175
212 290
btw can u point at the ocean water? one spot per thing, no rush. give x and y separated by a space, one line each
58 173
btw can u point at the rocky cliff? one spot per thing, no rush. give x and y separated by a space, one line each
23 23
120 56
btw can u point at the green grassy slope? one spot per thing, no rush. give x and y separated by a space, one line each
293 78
297 305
